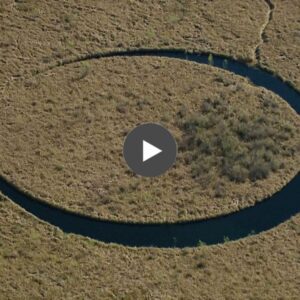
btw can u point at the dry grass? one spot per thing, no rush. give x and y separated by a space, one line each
281 49
237 144
39 262
66 129
34 33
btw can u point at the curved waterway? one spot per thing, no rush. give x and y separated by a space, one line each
260 217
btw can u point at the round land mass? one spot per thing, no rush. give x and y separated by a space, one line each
237 143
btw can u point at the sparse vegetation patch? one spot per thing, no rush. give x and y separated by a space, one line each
234 143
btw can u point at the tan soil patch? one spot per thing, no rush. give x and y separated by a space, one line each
39 262
66 129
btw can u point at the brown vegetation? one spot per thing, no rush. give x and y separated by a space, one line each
236 144
38 261
66 129
280 51
36 33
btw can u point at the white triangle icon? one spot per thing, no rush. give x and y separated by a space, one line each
149 151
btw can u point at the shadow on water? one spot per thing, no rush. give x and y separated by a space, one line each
263 216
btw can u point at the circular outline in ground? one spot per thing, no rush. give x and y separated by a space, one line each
260 217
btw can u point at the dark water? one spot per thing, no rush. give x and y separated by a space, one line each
263 216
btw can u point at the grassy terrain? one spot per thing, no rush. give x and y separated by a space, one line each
280 51
39 262
66 128
36 33
235 143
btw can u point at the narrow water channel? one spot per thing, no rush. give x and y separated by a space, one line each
253 220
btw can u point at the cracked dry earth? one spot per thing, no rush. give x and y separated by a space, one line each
38 261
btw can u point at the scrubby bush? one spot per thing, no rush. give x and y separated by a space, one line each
207 107
219 190
259 170
201 168
236 173
234 144
269 103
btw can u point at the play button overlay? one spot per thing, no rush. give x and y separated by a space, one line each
149 150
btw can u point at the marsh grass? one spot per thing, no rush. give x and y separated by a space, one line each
81 125
201 243
235 144
38 253
226 239
211 59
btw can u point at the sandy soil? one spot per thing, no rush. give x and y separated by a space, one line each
66 129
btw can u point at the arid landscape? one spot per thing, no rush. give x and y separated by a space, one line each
64 120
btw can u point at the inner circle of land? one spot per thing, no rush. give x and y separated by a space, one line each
62 135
